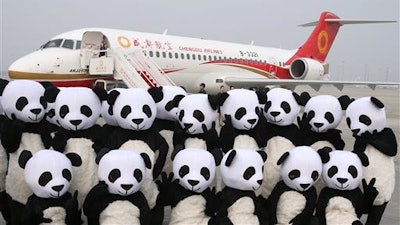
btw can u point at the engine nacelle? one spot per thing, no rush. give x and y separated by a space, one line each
304 68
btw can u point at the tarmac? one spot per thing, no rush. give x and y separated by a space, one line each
390 96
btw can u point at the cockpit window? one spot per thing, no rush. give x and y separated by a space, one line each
68 44
53 43
78 45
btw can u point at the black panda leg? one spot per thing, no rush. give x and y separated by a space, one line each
5 211
375 214
157 215
17 211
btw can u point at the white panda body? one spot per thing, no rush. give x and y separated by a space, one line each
245 141
189 211
120 213
242 212
56 214
290 204
167 135
3 168
85 175
340 211
195 143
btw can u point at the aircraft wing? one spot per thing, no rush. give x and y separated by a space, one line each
239 82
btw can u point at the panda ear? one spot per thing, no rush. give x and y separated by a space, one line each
50 94
263 155
324 154
112 97
24 158
221 98
304 98
213 100
3 84
262 97
377 102
298 99
156 93
217 153
177 149
46 84
345 101
101 153
230 158
282 158
100 92
146 160
363 157
174 102
75 159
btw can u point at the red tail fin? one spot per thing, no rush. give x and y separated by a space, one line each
320 41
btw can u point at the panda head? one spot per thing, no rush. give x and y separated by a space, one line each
106 111
323 112
133 108
282 106
76 108
48 173
195 168
194 111
23 100
342 170
166 99
243 106
242 169
124 171
366 114
300 168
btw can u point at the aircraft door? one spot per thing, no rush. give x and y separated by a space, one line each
91 41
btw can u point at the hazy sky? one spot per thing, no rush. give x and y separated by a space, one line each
369 52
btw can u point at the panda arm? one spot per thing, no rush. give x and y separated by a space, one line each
97 138
59 141
45 133
11 136
140 201
273 199
162 155
179 135
227 135
33 212
323 199
260 130
91 206
221 217
385 141
335 138
211 201
305 216
71 207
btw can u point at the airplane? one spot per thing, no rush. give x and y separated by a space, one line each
74 58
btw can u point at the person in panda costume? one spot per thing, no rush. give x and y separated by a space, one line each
190 196
243 128
366 118
342 201
281 133
77 110
117 198
322 115
197 115
3 165
135 110
24 106
166 98
110 123
242 174
293 199
49 173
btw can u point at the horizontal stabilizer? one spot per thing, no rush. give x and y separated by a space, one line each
344 21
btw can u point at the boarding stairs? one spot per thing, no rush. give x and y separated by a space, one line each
136 69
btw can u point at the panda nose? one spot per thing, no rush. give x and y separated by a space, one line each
137 121
36 111
259 182
252 121
193 182
58 188
274 114
126 186
318 125
342 180
188 125
355 131
75 122
304 186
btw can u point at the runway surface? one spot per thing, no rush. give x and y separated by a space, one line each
391 98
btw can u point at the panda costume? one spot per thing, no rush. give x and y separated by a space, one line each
242 174
3 164
110 123
366 118
190 195
166 98
342 201
135 110
281 133
243 128
77 110
293 199
23 104
49 173
117 198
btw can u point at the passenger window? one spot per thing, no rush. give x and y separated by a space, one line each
164 54
199 57
53 43
157 54
188 56
193 56
78 45
176 55
182 56
170 55
204 57
151 53
68 44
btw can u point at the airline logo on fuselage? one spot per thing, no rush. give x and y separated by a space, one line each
323 41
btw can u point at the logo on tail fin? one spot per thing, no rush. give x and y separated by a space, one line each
323 41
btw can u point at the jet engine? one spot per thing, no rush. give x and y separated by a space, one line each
306 69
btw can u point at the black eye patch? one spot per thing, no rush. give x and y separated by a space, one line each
183 171
51 113
249 172
205 172
329 117
332 171
181 115
146 109
67 174
240 113
64 110
294 174
198 115
310 115
126 110
353 171
114 175
21 103
85 110
348 121
365 120
43 102
138 175
286 107
314 175
267 106
45 178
